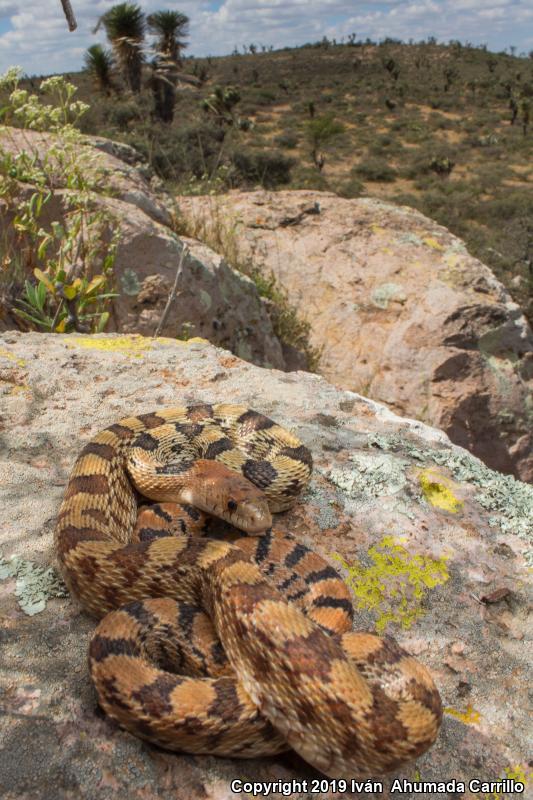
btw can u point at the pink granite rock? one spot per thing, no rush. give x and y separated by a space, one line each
403 313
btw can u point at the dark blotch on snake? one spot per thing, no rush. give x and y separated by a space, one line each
216 448
297 553
146 441
101 647
325 574
255 421
96 449
260 473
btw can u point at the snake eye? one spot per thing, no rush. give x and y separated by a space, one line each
232 505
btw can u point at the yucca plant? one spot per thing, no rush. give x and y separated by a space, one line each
170 28
221 104
125 27
99 64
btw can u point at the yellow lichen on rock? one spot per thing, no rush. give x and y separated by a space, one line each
396 583
469 717
10 357
438 490
133 344
433 243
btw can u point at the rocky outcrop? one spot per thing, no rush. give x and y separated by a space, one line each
212 300
403 313
433 543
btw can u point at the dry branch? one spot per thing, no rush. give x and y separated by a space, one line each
69 14
173 291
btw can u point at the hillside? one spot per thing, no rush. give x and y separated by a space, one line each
408 113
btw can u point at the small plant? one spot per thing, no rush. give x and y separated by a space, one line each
60 277
25 110
62 307
221 104
525 108
441 165
321 131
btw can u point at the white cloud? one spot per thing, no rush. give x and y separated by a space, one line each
38 40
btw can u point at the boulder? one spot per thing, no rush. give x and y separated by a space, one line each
403 313
212 300
433 543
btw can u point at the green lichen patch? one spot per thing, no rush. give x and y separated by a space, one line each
510 500
130 283
387 292
35 585
372 475
395 584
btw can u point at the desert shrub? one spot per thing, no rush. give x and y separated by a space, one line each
268 168
123 113
193 150
306 177
440 122
430 160
384 145
260 97
351 188
375 169
443 103
288 140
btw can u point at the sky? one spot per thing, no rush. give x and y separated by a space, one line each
34 35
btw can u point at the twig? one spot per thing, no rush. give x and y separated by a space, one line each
69 13
173 291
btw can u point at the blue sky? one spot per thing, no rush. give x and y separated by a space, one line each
34 35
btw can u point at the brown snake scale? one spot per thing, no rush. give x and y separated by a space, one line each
239 648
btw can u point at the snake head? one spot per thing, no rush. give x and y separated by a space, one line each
228 495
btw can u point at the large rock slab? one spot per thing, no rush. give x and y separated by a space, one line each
437 543
211 299
403 313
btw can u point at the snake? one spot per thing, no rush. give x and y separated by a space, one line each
218 634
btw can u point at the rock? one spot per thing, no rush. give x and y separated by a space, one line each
213 300
403 313
424 527
115 162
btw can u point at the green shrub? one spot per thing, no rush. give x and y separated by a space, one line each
192 151
351 188
288 140
270 169
260 97
123 112
375 169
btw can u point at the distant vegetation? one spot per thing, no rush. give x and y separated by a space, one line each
443 128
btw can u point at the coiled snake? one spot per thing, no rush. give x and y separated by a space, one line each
237 649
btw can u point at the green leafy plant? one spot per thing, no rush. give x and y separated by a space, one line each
321 131
61 306
55 277
221 104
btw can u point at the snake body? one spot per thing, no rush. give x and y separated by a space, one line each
239 648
